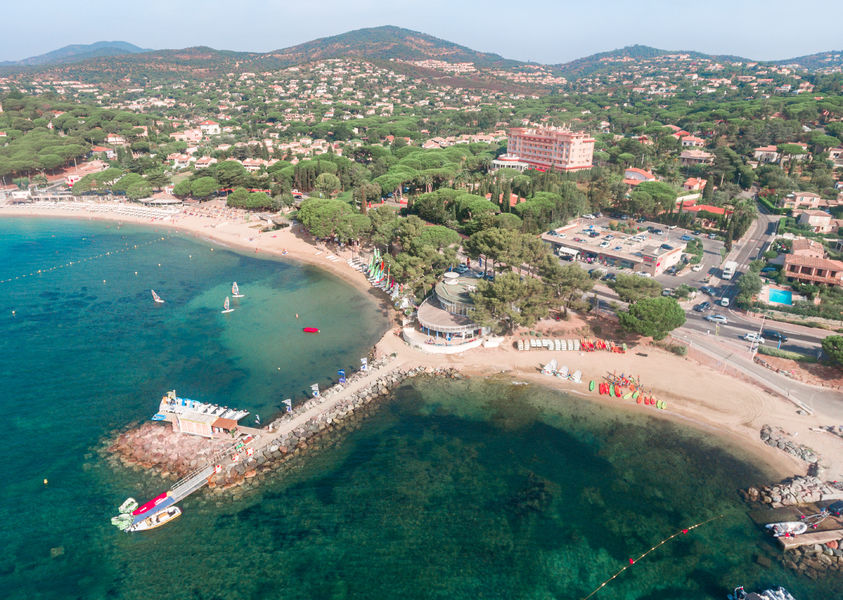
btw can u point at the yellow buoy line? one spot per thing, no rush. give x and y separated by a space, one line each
84 260
633 561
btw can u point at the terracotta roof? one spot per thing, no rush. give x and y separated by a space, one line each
805 245
642 172
813 261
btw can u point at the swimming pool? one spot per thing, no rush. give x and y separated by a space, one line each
781 296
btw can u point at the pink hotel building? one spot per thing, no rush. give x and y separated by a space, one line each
551 148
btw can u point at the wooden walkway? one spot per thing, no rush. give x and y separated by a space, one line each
806 539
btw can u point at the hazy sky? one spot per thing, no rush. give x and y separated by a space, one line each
548 31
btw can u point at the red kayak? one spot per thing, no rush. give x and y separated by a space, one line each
311 330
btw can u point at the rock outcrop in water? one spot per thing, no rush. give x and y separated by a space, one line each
795 490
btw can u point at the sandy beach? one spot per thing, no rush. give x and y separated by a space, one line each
696 395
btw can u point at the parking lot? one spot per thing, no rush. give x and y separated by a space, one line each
711 251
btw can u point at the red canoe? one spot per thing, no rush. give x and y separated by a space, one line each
311 330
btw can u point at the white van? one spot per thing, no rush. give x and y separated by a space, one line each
724 301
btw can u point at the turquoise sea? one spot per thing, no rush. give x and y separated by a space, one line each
466 489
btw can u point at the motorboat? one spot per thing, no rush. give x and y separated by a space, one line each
787 528
772 594
311 330
158 519
129 505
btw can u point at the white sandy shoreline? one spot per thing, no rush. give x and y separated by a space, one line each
708 401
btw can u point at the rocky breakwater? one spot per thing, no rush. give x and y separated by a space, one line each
776 437
812 560
795 490
155 446
816 560
336 410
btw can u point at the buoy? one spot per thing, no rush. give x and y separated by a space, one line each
591 386
611 389
617 391
638 400
45 481
136 272
159 264
103 280
297 315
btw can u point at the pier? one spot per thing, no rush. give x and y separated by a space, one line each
808 539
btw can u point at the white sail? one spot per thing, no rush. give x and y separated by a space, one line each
156 297
226 306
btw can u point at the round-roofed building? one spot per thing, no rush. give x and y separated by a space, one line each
444 315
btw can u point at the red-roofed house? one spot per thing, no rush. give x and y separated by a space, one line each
715 210
634 176
811 269
694 184
114 138
819 221
2 134
766 154
102 151
209 127
691 141
802 200
204 162
513 199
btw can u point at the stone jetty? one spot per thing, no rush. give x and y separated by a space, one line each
794 491
335 409
155 446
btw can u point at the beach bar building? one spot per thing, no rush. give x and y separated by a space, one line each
443 317
197 418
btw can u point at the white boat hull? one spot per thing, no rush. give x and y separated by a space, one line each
157 520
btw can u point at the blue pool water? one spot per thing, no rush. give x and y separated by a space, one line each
781 296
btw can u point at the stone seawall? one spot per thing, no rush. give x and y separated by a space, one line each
345 415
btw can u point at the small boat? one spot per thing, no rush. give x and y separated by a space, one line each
122 521
226 306
787 528
157 520
128 505
235 291
151 504
311 330
156 297
772 594
257 419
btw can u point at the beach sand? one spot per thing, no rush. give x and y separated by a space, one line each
697 395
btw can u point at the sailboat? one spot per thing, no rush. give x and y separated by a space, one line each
235 291
156 297
225 306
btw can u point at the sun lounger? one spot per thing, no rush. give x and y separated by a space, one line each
521 345
576 344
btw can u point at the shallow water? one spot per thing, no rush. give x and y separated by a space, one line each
476 489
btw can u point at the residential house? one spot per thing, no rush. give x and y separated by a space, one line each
209 128
766 154
819 221
634 176
802 201
204 162
696 157
180 161
694 184
811 269
103 152
835 155
806 247
116 139
252 164
691 141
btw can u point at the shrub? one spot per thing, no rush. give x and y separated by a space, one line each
785 354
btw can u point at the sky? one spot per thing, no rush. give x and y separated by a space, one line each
545 31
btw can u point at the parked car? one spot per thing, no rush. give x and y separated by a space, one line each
719 319
609 277
667 292
697 268
685 238
712 236
658 232
753 337
672 271
707 289
774 335
697 232
643 273
702 306
724 301
588 216
604 244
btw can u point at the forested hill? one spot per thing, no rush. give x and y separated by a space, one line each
384 43
820 61
603 60
77 53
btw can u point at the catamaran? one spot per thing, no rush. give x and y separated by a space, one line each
235 291
156 297
226 306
